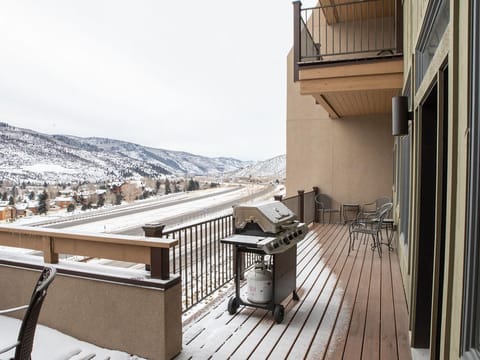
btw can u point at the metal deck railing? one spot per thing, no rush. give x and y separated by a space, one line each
348 30
204 263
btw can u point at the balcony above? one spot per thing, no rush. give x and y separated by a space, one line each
348 55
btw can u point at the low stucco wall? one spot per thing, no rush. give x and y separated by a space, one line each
140 320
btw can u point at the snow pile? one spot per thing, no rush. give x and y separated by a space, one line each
52 344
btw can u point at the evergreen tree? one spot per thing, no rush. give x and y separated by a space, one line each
71 208
42 202
31 196
167 187
5 196
193 185
11 200
157 186
101 201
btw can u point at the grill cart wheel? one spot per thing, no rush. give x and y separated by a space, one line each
233 305
278 313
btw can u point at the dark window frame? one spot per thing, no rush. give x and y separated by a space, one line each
470 341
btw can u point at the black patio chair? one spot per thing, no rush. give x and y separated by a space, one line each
370 224
26 334
324 206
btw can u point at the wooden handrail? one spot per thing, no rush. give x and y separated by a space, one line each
137 249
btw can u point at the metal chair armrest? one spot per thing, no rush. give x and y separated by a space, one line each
9 347
6 311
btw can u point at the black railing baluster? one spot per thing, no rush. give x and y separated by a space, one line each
211 253
375 22
202 270
196 263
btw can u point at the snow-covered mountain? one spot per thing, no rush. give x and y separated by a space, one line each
272 168
27 155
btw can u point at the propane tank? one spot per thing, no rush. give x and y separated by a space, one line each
259 284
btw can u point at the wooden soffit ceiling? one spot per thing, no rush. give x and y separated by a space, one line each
335 12
354 89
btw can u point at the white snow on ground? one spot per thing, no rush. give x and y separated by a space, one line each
54 168
125 222
52 344
163 199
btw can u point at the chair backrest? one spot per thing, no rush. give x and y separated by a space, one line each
383 211
323 201
380 215
382 201
29 323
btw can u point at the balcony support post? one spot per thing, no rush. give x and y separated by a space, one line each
301 205
49 255
316 191
297 38
399 26
159 257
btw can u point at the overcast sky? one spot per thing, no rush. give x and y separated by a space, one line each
207 77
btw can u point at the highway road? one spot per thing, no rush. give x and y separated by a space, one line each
176 212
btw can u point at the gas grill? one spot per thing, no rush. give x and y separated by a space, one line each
267 229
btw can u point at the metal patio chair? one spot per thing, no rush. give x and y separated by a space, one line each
370 224
24 344
372 207
324 206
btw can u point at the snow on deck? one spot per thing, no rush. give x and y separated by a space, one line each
352 306
52 344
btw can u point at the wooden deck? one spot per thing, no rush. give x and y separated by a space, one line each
351 307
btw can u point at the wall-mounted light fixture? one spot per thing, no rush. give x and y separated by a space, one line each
400 115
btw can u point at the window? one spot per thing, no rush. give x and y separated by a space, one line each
404 185
436 21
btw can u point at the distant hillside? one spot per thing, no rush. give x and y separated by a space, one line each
272 168
31 156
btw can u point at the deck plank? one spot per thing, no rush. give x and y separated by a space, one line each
354 343
271 339
329 341
322 316
371 338
322 286
401 312
388 340
257 334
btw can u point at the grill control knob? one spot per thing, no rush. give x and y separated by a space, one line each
286 241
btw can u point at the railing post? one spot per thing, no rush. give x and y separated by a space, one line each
159 257
301 205
316 191
297 38
277 197
399 26
49 256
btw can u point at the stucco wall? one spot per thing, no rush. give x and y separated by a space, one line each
350 159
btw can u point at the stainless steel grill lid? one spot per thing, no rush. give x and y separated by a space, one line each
271 216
